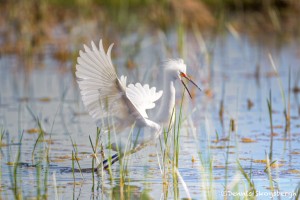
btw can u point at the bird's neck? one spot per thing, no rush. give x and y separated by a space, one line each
168 100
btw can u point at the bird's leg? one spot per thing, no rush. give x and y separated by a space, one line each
116 157
108 162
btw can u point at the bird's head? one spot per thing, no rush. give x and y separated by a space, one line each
177 70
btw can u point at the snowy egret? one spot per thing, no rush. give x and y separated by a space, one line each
115 106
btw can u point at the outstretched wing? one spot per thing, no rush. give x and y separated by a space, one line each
103 94
143 97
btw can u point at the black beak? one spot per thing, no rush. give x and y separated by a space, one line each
190 80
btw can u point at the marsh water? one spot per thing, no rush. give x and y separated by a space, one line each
227 123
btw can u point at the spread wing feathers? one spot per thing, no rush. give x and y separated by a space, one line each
102 93
143 97
105 96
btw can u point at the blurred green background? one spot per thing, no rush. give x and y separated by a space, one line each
26 26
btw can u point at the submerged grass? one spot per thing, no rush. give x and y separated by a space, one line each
75 153
297 192
286 105
205 166
251 190
269 102
177 131
94 156
17 188
170 151
269 173
2 133
40 157
95 160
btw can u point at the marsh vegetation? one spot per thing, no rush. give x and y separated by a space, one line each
240 135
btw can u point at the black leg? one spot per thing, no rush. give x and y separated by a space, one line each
114 159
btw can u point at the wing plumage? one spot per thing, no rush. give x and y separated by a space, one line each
143 97
107 97
97 78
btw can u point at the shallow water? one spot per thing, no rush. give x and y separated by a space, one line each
48 91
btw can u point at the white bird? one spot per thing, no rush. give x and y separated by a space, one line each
117 107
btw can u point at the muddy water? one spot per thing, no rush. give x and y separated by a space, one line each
231 70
